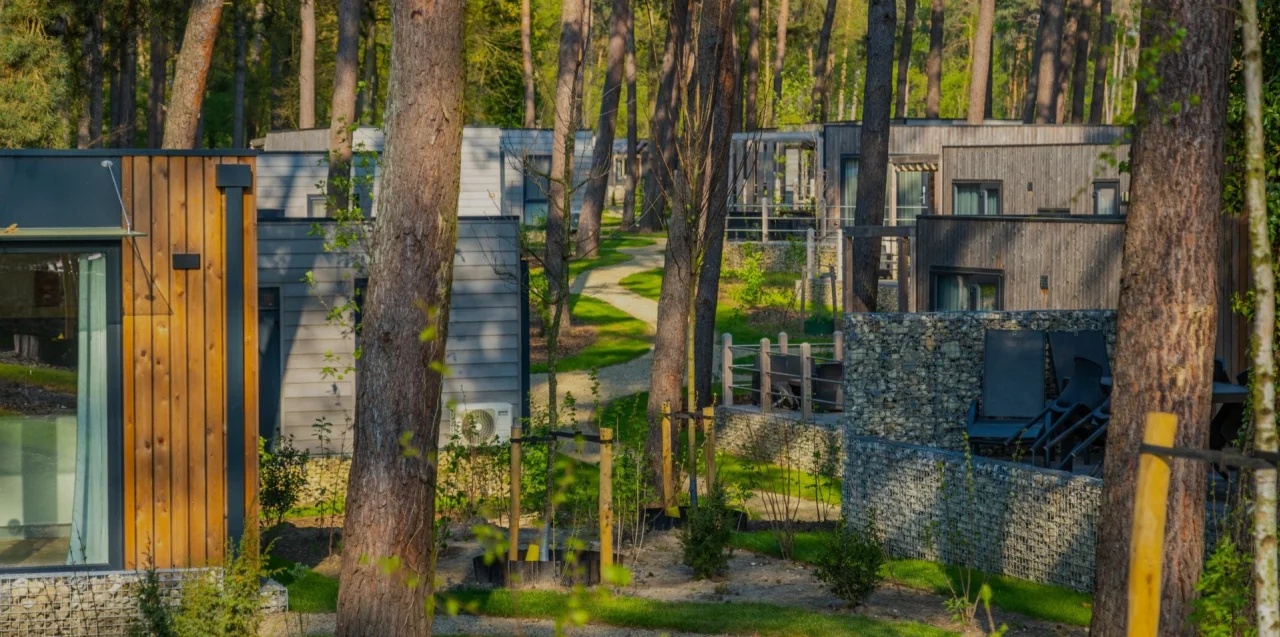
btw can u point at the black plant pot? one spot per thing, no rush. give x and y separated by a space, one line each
586 571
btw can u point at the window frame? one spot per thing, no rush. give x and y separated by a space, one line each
982 184
115 399
935 271
1114 184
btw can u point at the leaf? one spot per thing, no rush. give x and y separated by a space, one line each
13 227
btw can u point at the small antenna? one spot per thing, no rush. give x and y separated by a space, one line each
128 223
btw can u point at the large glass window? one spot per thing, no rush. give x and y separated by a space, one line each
912 194
54 409
955 291
848 188
975 198
1106 200
537 188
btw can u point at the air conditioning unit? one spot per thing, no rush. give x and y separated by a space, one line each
479 423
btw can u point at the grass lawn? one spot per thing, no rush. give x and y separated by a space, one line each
309 591
1040 601
764 620
63 380
619 337
739 471
608 255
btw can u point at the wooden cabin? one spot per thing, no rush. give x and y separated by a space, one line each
128 358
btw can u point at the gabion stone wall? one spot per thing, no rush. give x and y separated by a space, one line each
1016 520
911 377
326 476
779 440
91 604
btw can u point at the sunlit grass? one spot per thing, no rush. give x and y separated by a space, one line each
62 380
619 337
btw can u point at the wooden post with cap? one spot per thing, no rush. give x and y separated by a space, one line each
606 499
666 456
513 551
1146 546
709 444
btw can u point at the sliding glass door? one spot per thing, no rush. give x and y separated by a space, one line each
57 309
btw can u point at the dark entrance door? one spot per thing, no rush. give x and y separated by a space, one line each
270 365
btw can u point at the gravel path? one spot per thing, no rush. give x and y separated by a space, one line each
615 380
297 624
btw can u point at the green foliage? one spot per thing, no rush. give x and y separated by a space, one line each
706 535
752 276
619 337
309 591
34 77
282 475
154 618
1223 607
850 564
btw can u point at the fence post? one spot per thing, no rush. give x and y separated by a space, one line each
1146 548
692 425
513 551
764 217
808 262
806 384
837 342
666 455
783 346
726 371
606 500
709 444
766 389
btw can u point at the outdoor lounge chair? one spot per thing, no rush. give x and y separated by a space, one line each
826 385
1085 428
1012 385
1066 347
1082 395
1084 451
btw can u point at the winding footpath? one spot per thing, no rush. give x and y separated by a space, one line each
603 284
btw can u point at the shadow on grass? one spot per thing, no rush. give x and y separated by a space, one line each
619 337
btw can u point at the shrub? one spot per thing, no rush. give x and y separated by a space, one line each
1223 610
154 618
850 563
752 275
707 533
283 476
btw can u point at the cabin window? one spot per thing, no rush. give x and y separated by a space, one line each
1106 197
59 340
967 290
976 198
317 206
537 188
848 188
912 192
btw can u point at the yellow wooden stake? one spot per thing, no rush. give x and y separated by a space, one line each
513 551
606 499
1146 548
668 499
709 444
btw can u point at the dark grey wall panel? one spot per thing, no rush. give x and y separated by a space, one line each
59 192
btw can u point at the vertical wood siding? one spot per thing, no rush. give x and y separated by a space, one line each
174 345
1061 176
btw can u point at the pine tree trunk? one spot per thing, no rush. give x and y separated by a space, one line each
392 489
933 66
526 60
780 54
584 67
307 66
241 75
367 99
342 112
1168 309
633 130
980 66
560 198
1061 92
873 169
1033 66
1263 403
277 68
159 75
1080 73
90 130
187 97
661 153
1050 49
751 111
819 96
1106 44
602 154
904 56
674 304
125 98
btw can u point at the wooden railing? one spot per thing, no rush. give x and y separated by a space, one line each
817 366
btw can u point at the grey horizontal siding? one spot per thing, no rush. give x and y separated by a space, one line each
483 350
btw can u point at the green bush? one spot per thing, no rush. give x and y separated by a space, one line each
707 534
1223 608
850 563
282 477
752 276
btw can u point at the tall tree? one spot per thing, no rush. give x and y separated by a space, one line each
904 56
124 97
560 198
241 36
187 97
751 110
526 57
933 65
1061 90
606 125
342 112
1106 43
873 166
159 75
818 99
367 99
633 130
1168 309
1033 74
980 66
1080 73
780 54
307 65
661 153
1263 399
1050 49
392 488
89 133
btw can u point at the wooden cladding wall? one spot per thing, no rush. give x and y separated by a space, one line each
175 353
1035 178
